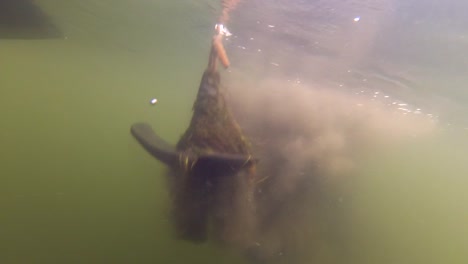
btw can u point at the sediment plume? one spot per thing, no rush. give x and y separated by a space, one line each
309 139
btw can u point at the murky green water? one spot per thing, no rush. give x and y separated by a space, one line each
76 188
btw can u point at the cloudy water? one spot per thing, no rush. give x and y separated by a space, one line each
373 92
357 110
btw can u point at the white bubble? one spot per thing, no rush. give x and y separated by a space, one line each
153 101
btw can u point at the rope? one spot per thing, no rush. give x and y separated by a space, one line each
228 5
217 49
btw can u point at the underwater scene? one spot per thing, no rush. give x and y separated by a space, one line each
234 131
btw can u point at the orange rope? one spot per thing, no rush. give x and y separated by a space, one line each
217 48
228 5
